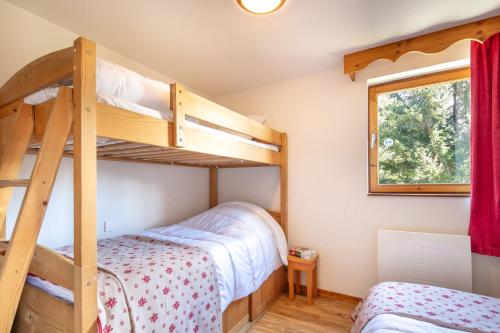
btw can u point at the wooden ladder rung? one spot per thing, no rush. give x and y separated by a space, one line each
14 182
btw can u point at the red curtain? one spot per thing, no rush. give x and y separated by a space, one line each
484 226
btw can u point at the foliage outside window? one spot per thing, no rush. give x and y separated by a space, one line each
419 139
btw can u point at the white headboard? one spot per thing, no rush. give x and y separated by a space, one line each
435 259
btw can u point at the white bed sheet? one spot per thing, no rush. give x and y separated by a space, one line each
121 87
245 242
390 323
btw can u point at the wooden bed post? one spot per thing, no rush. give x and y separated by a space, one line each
213 187
284 183
85 165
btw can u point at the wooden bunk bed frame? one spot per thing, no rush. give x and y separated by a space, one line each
76 114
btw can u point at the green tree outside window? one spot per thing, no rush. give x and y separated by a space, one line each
424 135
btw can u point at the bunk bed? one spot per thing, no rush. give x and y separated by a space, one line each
75 121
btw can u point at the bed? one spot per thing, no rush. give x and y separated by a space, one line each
120 87
393 307
141 119
69 103
246 244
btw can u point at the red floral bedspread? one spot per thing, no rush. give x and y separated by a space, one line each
440 306
149 285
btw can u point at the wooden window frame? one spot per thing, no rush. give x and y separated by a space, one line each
407 189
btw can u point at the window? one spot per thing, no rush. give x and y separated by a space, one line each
419 134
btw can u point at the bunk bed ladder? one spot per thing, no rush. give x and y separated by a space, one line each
15 263
12 157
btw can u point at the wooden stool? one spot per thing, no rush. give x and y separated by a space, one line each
297 265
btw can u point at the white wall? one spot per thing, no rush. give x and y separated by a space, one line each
130 196
325 116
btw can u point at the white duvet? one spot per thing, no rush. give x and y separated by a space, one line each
245 242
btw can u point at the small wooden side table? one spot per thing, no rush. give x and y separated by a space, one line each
296 265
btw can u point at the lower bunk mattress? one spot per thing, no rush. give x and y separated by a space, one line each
392 307
182 277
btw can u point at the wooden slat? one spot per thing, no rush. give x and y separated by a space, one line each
120 124
207 163
14 182
85 165
206 159
49 265
141 152
17 259
39 74
171 163
197 160
130 151
243 165
119 146
213 186
212 113
12 156
203 142
284 184
41 313
179 154
429 43
187 157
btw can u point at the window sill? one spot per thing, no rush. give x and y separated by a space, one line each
392 194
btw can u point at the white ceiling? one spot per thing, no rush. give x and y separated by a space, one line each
217 48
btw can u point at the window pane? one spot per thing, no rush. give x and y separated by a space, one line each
424 135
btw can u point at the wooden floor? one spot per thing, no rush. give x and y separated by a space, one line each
328 314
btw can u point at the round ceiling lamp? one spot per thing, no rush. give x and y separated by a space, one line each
261 6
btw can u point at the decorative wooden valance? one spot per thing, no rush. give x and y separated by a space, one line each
433 42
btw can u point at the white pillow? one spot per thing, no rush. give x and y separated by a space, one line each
117 81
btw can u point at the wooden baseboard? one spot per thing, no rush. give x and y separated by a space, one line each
330 294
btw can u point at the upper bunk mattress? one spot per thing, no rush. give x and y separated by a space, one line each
122 83
126 89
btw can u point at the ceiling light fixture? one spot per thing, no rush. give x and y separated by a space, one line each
261 6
